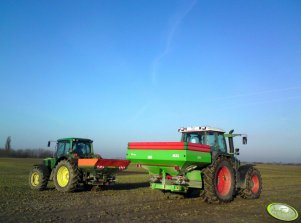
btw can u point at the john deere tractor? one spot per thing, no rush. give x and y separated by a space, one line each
73 164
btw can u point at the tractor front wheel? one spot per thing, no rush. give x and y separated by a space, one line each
253 184
66 176
38 177
219 181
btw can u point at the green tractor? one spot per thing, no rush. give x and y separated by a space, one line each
200 164
73 164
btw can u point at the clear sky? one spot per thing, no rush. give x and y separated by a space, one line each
120 71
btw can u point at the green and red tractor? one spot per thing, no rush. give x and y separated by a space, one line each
74 164
200 164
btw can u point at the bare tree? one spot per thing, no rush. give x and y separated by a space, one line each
7 144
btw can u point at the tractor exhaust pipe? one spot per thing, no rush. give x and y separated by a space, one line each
231 144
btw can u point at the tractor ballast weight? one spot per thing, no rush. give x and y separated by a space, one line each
200 162
73 164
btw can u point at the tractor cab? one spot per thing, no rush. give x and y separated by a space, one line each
213 137
73 147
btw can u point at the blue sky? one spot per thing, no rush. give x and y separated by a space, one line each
120 71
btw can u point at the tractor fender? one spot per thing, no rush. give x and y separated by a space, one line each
241 175
60 159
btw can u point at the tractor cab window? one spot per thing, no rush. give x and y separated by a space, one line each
198 138
62 148
216 141
221 142
82 148
211 141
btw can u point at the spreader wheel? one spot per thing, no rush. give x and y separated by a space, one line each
219 181
253 184
194 192
66 176
38 177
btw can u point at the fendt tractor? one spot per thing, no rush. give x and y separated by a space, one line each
74 164
199 165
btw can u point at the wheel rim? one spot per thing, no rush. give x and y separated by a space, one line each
62 176
255 182
35 179
223 181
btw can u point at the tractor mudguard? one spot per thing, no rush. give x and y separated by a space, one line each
241 175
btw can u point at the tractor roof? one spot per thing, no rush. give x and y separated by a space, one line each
200 129
74 139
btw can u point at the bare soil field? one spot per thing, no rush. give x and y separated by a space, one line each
131 199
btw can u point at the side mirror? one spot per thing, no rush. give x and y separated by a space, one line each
48 143
236 151
244 140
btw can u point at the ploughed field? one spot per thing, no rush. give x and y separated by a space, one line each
131 199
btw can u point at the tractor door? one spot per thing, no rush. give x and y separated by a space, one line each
221 142
63 148
216 141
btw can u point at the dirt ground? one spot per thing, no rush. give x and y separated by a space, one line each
131 199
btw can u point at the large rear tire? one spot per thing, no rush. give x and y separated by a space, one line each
66 176
253 184
38 177
219 182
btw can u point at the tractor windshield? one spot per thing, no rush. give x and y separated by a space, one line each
82 148
215 140
194 137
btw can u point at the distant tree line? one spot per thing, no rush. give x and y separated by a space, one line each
273 163
26 153
7 151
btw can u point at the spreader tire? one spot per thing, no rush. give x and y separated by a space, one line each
193 192
253 184
38 177
66 176
219 182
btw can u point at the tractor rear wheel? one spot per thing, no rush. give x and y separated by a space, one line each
66 176
219 182
38 177
253 184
